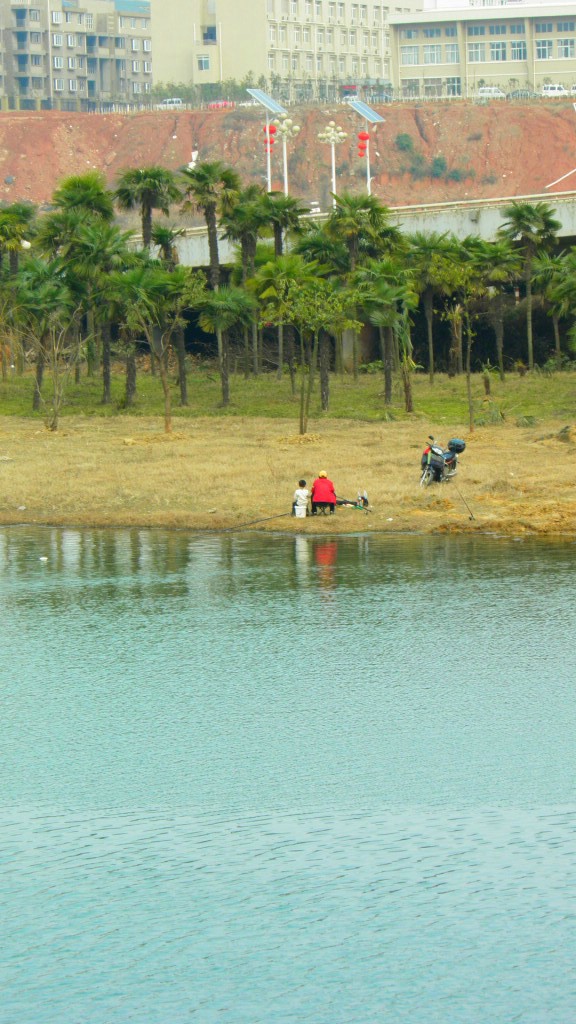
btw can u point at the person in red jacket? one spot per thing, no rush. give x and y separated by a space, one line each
322 494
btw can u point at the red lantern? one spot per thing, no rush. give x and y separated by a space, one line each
361 152
363 136
272 129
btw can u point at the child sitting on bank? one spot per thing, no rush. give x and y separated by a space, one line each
300 501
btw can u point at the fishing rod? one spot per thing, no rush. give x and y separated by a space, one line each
472 516
254 522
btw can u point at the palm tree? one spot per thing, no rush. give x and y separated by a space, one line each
87 193
363 224
219 313
165 238
212 189
549 274
271 284
533 227
284 214
242 223
384 289
16 228
147 189
502 268
430 259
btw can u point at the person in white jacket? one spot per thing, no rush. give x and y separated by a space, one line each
300 500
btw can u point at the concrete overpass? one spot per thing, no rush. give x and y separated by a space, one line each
480 217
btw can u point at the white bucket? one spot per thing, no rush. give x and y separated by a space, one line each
300 511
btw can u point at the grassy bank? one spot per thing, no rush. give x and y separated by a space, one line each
218 471
537 395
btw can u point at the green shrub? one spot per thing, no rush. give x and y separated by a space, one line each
404 143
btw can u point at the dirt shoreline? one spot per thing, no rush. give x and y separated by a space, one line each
213 475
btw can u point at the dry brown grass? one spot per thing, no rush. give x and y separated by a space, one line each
216 474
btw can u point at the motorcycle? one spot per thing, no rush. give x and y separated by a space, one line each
440 464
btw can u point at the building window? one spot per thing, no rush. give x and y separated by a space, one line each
89 21
476 30
308 8
363 14
330 37
562 26
517 29
282 35
204 62
37 83
343 37
71 41
432 87
453 86
408 55
57 20
147 45
309 62
80 62
72 85
497 30
409 33
136 67
271 62
410 87
35 37
36 60
432 54
450 31
331 10
543 49
354 67
452 52
320 36
319 63
58 62
120 43
341 11
136 87
297 36
497 51
68 18
354 14
57 39
34 15
342 65
295 62
364 68
71 63
318 8
431 33
352 37
285 62
518 50
565 48
58 85
476 53
272 34
543 26
135 45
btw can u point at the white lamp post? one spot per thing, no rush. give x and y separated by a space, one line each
286 129
333 135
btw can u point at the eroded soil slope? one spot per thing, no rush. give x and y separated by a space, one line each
447 151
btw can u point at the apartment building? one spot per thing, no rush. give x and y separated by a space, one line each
456 52
67 55
301 48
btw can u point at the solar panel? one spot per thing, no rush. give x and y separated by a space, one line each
261 97
365 111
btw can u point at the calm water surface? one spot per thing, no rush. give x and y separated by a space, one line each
268 779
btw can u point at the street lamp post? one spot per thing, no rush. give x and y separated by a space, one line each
286 130
333 135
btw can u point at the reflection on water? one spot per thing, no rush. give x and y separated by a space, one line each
286 779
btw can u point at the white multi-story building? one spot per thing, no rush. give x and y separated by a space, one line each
69 55
301 48
456 52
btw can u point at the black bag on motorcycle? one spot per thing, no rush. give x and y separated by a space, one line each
456 445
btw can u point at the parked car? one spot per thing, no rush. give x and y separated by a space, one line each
490 92
172 103
553 89
573 90
523 94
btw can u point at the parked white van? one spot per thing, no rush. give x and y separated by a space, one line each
490 92
552 89
173 103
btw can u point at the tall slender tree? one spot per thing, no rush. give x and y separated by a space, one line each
212 188
147 189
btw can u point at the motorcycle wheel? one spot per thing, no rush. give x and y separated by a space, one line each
427 477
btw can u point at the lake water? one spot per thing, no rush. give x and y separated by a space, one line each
270 779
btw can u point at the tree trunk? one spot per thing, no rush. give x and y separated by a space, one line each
5 357
388 359
428 303
325 370
130 392
38 379
302 386
163 370
557 349
469 340
224 368
181 356
529 335
355 355
146 225
291 360
278 240
246 353
407 385
212 227
311 376
499 332
255 362
106 360
280 351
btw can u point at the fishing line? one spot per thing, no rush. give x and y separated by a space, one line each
472 516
